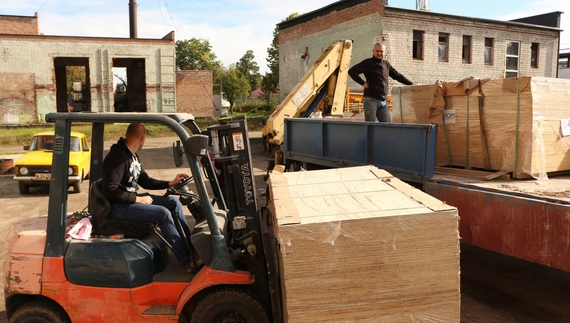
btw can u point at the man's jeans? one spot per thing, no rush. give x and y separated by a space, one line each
376 109
160 212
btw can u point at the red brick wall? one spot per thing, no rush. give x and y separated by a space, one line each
19 25
18 98
194 92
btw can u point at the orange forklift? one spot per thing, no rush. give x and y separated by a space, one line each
49 277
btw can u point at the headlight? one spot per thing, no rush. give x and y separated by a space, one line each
72 170
24 170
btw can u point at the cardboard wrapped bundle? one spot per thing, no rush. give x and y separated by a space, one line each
359 245
514 125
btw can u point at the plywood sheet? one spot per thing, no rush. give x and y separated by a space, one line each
359 245
502 125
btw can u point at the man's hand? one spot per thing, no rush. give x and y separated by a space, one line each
145 199
177 179
366 85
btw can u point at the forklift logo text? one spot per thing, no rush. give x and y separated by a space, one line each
247 186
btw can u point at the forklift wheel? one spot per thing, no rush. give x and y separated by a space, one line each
229 305
41 311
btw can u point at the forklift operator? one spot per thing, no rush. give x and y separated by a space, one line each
122 175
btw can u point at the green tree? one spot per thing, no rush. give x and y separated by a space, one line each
249 69
270 81
195 54
234 84
74 74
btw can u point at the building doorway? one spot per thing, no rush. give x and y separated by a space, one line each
72 84
130 92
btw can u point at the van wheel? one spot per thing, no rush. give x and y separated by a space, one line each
24 188
40 311
231 306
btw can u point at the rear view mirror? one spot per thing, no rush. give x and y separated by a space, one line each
178 153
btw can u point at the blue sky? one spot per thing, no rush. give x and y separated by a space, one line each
233 27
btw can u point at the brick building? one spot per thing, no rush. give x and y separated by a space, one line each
34 70
422 45
195 93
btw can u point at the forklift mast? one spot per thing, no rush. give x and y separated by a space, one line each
250 231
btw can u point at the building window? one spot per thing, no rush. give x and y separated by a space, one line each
466 52
443 48
418 45
534 55
489 51
512 62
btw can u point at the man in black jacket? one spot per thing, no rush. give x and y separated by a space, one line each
122 175
376 70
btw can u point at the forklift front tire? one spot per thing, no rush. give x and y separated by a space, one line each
40 311
229 305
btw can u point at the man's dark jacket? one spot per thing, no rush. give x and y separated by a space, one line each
122 173
376 72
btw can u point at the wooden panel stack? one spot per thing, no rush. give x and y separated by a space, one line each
500 124
359 245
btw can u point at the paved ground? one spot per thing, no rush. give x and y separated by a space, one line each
494 288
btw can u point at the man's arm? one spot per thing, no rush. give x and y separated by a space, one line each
398 76
355 71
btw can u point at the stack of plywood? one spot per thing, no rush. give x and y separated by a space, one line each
511 125
359 245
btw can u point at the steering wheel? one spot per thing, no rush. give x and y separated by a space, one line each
183 183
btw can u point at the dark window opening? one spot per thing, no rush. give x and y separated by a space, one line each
418 50
534 55
489 51
466 52
443 48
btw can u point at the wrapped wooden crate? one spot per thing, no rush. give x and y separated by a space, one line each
359 245
510 124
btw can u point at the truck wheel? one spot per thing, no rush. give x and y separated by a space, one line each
229 306
24 188
39 311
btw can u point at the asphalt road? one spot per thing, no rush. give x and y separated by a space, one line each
494 287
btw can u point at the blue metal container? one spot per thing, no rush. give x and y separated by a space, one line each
405 150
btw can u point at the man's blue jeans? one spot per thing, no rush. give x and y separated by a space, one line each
376 109
161 212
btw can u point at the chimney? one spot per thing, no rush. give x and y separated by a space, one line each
422 5
133 18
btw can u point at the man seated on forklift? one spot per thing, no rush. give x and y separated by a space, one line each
122 175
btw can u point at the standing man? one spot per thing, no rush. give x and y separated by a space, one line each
376 71
122 175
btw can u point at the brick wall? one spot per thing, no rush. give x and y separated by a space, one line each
367 22
194 93
19 25
17 99
399 25
35 54
361 22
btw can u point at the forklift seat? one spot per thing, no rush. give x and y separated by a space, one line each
103 225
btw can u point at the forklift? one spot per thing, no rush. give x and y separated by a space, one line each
133 275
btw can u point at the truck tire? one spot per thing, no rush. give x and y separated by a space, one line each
40 311
24 188
229 306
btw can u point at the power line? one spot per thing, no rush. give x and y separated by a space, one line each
171 19
164 22
42 6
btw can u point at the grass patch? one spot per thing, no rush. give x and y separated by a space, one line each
21 136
